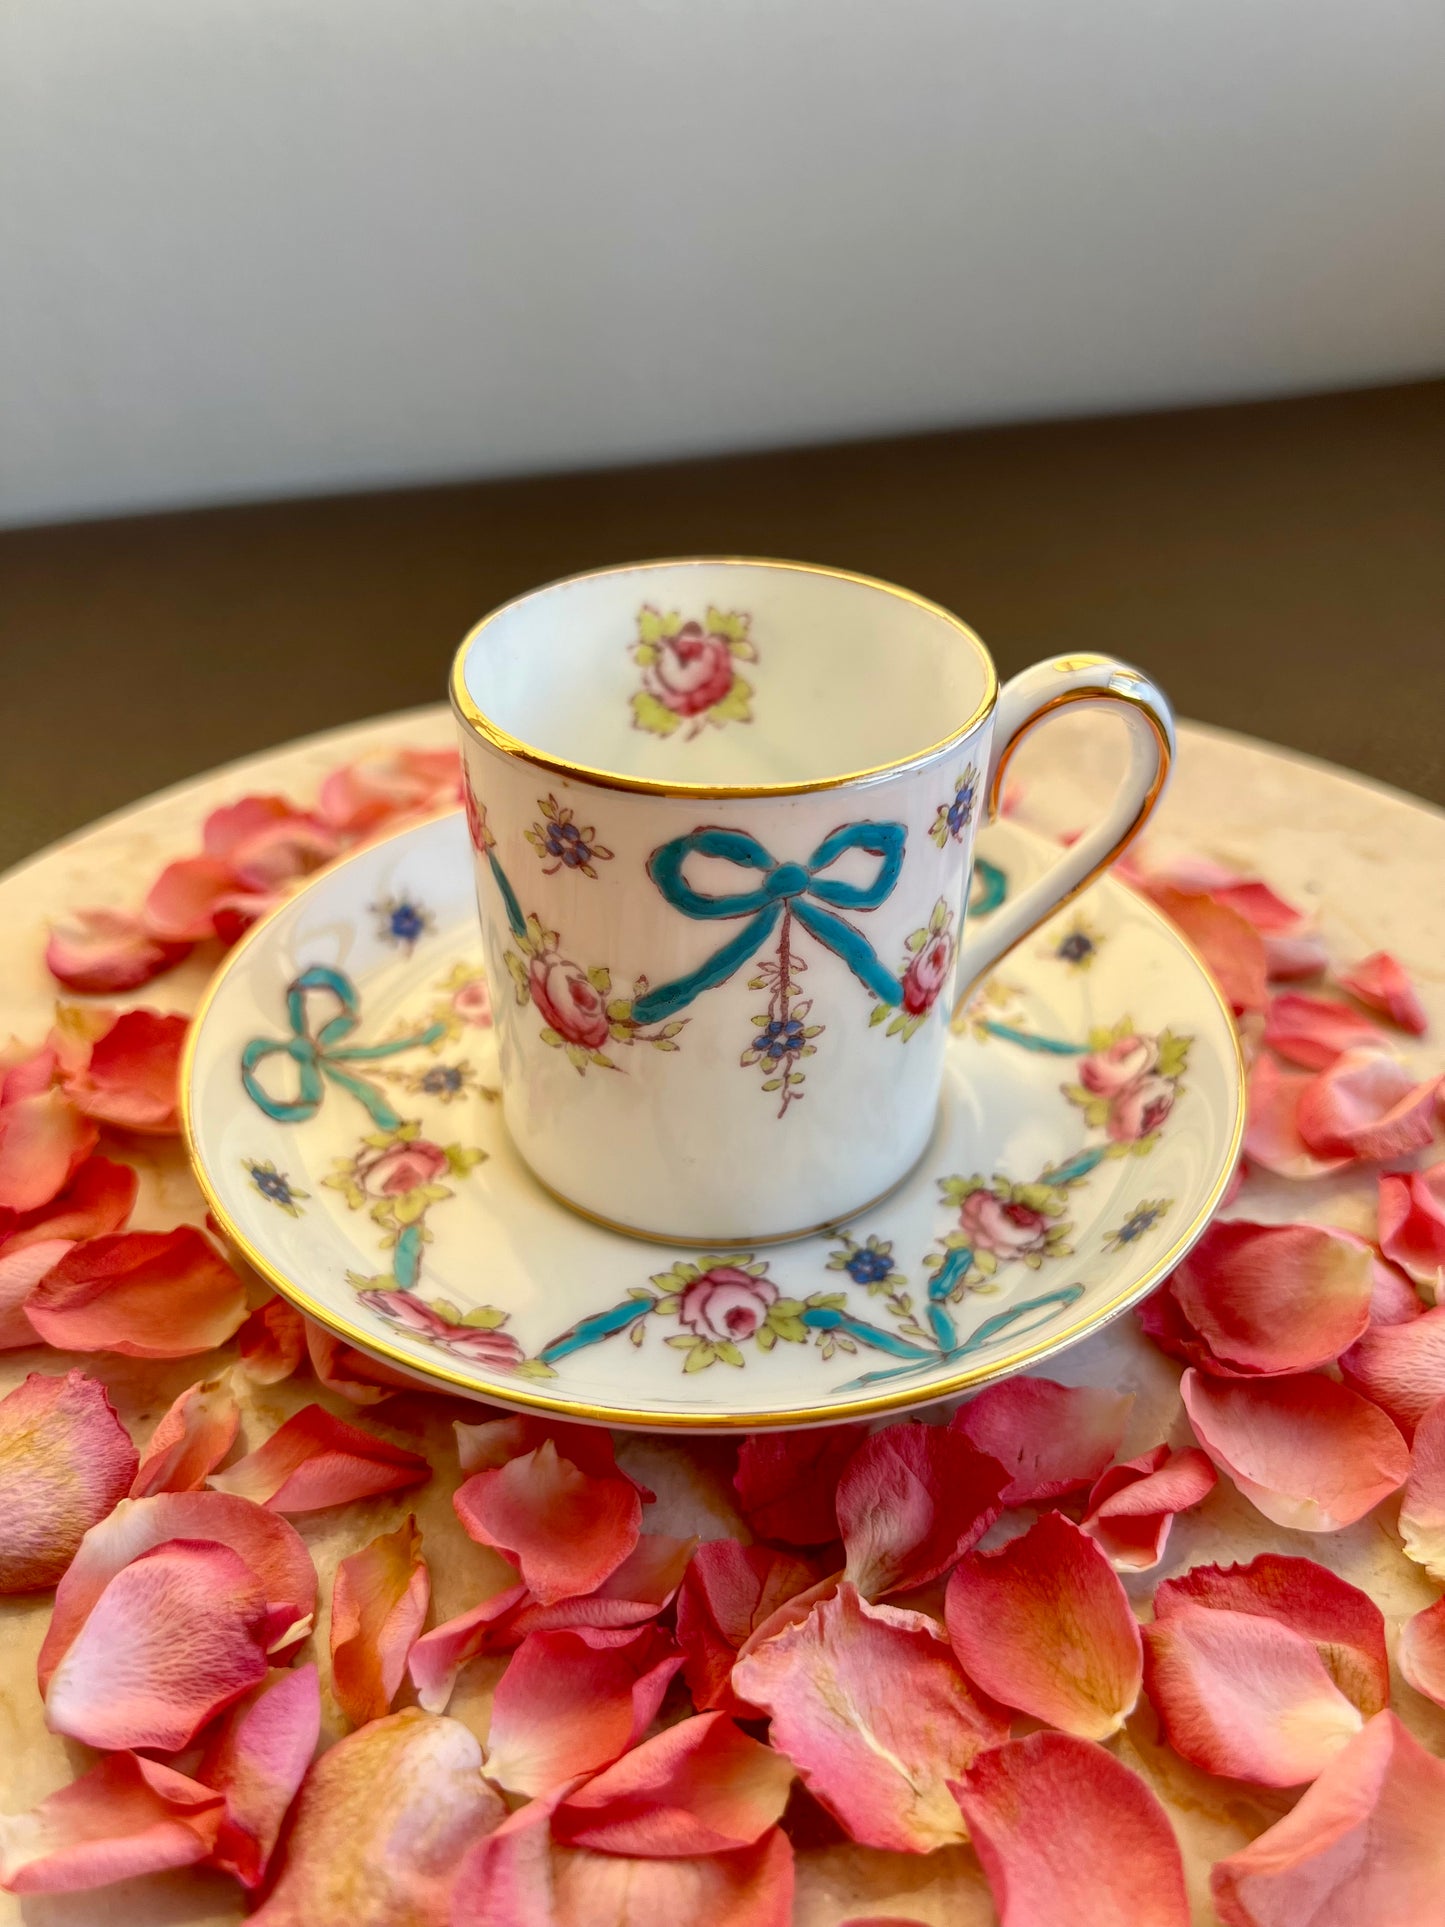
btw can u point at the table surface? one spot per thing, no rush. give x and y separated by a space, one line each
1367 861
1278 567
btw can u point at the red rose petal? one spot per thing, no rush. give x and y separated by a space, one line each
378 1608
495 1442
132 1076
1363 1845
180 906
1412 1224
1275 1298
785 1482
1400 1368
870 1706
1422 1510
1065 1832
104 952
912 1499
1049 1438
1271 1137
1421 1652
65 1461
315 1460
1382 984
1131 1507
97 1200
191 1440
728 1592
146 1294
126 1816
1314 1031
43 1142
1306 1452
1043 1624
1229 944
564 1529
20 1272
257 1758
272 1342
173 1639
1366 1105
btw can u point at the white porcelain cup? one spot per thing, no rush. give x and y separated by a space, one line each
723 814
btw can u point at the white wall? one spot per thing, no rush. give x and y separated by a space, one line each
263 246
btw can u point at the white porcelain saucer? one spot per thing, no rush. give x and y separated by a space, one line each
340 1110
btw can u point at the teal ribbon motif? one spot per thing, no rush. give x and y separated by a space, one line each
811 896
317 1055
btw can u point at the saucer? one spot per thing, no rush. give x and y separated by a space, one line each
339 1098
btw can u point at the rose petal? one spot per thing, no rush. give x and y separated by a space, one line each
1272 1298
350 1373
564 1529
132 1076
378 1607
1131 1507
226 828
381 1825
174 1638
1400 1368
728 1592
315 1460
1366 1105
1043 1624
360 797
1412 1223
103 952
1393 1299
257 1758
785 1482
280 853
20 1272
180 906
1306 1452
1065 1832
43 1142
1314 1031
146 1294
1363 1845
495 1442
272 1549
191 1440
65 1461
98 1199
1049 1438
912 1499
1421 1652
1229 944
571 1702
1422 1510
438 1656
1291 957
272 1342
1271 1138
870 1706
126 1816
1381 983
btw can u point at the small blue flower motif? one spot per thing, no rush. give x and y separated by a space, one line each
870 1264
402 922
564 841
568 844
1142 1219
1078 946
779 1039
867 1267
954 818
275 1186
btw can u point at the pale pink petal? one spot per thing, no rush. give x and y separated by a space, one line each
1366 1105
233 823
1382 983
257 1757
126 1816
1362 1848
1307 1453
176 1636
147 1294
350 1373
43 1142
728 1592
381 1826
1229 944
65 1461
191 1440
701 1786
1421 1652
912 1499
272 1342
132 1077
791 1612
1066 1833
564 1529
20 1272
97 1200
1043 1624
280 853
1313 1031
1422 1510
1393 1299
571 1702
1412 1223
870 1706
378 1608
493 1442
1132 1506
1049 1438
1401 1368
437 1657
315 1460
1271 1138
361 797
180 906
1272 1298
103 952
1258 904
785 1482
1293 956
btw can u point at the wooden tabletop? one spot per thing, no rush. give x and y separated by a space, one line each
1279 567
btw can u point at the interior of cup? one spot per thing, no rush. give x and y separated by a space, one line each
725 673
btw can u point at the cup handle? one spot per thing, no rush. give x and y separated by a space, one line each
1029 699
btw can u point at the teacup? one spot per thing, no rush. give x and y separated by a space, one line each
723 814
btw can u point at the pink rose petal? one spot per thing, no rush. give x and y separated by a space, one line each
65 1461
870 1706
131 1077
1314 1031
437 1657
1274 1298
1259 905
1292 957
1421 1652
315 1460
174 1638
564 1529
1400 1368
44 1141
785 1482
191 1440
1049 1438
180 906
383 1821
361 797
126 1816
350 1373
1412 1223
1271 1138
912 1499
1306 1452
1131 1507
1422 1510
20 1272
1229 944
1362 1848
257 1757
1393 1299
104 952
495 1442
1043 1624
1382 984
98 1199
147 1294
1066 1833
1366 1105
272 1342
728 1592
378 1608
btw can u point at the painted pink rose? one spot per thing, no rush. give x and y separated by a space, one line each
691 671
1106 1072
726 1302
400 1168
925 975
496 1348
568 1003
1007 1230
482 838
473 1004
1140 1109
